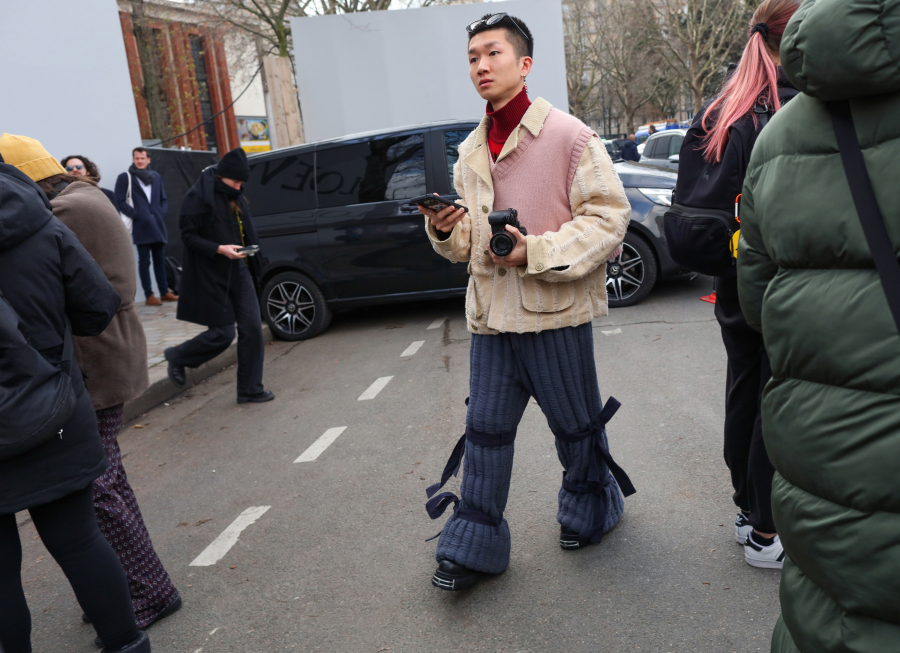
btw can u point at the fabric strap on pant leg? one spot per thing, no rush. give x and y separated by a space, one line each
436 505
596 481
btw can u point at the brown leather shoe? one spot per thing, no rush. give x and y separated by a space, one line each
153 300
169 297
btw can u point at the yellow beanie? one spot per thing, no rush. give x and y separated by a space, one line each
29 156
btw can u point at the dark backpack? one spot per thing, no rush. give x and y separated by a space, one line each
36 397
702 239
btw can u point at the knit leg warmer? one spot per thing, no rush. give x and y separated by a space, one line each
485 487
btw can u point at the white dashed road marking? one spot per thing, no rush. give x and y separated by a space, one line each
413 348
375 388
437 323
321 444
611 333
229 537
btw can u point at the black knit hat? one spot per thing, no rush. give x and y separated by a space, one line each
234 165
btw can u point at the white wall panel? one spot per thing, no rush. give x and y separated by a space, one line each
64 80
361 72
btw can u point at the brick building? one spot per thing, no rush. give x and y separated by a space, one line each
179 75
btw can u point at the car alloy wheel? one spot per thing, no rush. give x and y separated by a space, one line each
291 307
295 308
632 274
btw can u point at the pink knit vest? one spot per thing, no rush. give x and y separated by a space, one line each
536 177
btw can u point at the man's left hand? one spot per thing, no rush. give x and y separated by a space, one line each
519 255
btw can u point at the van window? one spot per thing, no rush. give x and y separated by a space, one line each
391 168
282 185
675 144
452 140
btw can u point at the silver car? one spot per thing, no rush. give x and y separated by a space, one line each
662 148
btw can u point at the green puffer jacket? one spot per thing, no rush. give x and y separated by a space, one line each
831 413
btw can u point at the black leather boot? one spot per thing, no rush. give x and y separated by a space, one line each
453 577
140 645
258 398
176 371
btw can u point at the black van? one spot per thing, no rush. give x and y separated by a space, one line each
337 229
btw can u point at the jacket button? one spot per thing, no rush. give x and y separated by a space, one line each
502 272
539 267
487 252
484 208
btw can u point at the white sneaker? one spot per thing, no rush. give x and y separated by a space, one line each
742 528
767 557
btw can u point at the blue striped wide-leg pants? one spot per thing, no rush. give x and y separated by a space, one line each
557 368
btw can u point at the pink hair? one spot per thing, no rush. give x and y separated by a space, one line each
756 78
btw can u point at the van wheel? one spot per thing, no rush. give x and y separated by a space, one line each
631 276
294 307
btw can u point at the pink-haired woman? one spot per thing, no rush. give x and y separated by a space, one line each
712 165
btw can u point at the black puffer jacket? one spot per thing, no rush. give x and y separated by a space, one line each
705 185
206 223
47 276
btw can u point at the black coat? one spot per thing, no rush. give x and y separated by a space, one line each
206 276
47 276
705 185
629 150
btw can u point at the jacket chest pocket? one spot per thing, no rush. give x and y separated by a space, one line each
546 297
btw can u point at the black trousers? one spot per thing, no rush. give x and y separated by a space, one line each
251 348
69 530
156 251
745 451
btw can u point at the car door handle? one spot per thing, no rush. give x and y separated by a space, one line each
409 208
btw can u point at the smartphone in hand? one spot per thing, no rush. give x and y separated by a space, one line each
249 250
436 202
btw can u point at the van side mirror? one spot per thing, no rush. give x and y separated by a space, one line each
673 158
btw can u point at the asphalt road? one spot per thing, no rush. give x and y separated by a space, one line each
339 562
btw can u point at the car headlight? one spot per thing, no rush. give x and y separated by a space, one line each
661 196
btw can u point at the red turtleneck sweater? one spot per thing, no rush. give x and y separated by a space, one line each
505 120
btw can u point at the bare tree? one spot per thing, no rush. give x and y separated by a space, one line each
699 36
584 75
630 32
269 19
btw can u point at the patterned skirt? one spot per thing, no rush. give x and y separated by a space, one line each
123 526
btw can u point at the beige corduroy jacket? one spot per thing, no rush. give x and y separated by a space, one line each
564 281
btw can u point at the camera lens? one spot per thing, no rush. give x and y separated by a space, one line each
502 244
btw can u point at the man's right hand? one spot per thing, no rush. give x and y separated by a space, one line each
445 219
231 251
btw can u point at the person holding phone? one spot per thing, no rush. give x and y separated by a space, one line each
530 309
220 277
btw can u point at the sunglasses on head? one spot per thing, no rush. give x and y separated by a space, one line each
492 20
71 168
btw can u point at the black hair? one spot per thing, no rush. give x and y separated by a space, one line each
140 149
523 47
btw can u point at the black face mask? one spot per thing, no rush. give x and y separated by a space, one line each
228 191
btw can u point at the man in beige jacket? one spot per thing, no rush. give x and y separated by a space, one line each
530 310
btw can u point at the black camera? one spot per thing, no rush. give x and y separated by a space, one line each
503 242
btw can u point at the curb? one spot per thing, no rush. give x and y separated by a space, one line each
162 389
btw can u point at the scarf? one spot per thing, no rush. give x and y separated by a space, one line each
228 191
144 174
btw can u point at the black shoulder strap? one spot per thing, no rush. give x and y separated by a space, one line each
866 205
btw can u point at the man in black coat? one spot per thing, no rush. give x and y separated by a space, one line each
218 281
141 196
629 149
